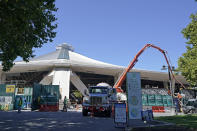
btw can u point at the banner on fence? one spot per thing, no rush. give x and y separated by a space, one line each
5 99
10 88
20 90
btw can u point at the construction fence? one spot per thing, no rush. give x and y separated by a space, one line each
32 97
45 97
26 94
159 101
7 97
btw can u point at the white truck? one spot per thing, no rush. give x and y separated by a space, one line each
99 99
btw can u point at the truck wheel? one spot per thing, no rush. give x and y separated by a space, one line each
84 112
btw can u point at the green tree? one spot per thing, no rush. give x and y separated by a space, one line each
187 64
77 94
24 25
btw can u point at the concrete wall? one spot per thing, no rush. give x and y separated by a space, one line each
61 77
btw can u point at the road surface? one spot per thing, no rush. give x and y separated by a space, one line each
54 121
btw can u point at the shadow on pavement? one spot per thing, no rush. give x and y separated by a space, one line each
61 121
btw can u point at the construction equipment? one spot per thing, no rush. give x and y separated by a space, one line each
95 102
122 77
190 106
99 100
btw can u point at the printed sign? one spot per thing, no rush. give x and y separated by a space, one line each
20 91
2 99
10 88
134 95
5 99
120 117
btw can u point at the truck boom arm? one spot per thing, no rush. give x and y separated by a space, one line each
122 77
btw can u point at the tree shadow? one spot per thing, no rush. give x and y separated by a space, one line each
61 121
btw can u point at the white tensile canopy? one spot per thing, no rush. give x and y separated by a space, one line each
64 62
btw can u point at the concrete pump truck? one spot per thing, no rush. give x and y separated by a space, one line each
102 96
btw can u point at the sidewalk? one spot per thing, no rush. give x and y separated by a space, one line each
157 114
141 125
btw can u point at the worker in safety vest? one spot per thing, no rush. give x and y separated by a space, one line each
65 104
169 92
20 103
179 96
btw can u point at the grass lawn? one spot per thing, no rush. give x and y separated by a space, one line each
189 121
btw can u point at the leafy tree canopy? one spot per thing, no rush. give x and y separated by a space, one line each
24 24
188 62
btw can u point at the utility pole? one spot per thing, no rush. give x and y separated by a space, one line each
171 87
171 81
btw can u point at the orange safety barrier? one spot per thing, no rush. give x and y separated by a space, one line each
158 109
49 108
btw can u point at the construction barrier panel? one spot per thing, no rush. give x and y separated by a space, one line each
45 108
26 94
144 99
6 97
151 100
160 97
169 100
47 95
158 100
165 103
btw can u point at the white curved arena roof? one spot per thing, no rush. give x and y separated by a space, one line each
64 56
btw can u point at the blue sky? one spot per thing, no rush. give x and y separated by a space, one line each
113 31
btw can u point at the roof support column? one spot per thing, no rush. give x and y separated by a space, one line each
78 84
61 77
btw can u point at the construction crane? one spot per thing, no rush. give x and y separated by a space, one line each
122 77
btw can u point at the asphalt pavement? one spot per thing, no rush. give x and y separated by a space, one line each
54 121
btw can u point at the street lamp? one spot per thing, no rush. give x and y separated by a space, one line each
170 78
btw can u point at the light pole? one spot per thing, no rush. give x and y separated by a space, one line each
170 79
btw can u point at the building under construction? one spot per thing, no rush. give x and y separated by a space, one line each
72 71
